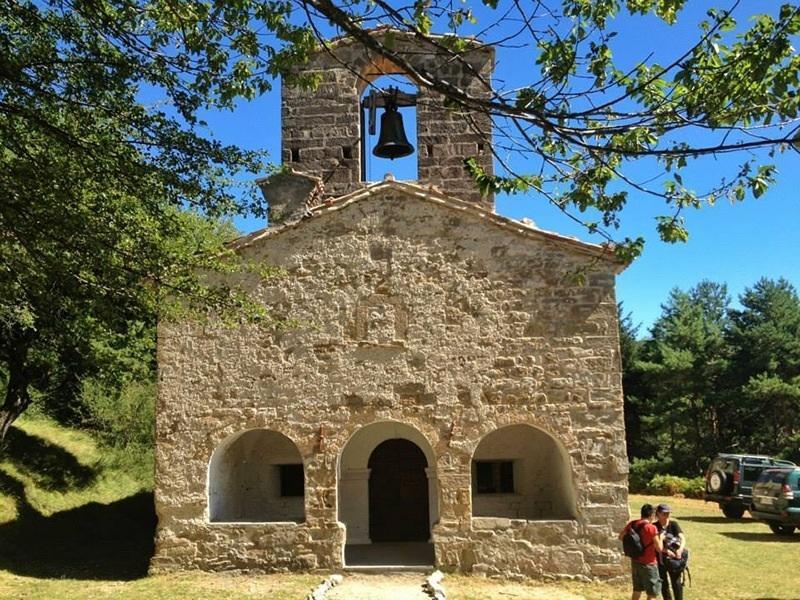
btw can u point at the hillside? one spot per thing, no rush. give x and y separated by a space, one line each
59 490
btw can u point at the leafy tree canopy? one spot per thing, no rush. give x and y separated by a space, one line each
581 115
108 202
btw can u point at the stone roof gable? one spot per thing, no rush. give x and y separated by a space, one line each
603 252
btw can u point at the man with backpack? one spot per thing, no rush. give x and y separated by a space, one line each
641 542
672 560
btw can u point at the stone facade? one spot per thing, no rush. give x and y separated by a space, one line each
484 349
422 311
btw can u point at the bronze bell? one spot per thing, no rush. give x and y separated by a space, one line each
392 142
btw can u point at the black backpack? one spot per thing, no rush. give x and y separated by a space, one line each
632 544
677 566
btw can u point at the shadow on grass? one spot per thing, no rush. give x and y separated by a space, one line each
50 466
749 536
720 519
94 541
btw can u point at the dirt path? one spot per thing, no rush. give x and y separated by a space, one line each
398 586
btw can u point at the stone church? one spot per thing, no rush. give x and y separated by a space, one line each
448 392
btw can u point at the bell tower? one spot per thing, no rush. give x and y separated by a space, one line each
323 129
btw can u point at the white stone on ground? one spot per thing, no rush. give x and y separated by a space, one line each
433 585
321 591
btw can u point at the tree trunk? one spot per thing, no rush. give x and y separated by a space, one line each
17 396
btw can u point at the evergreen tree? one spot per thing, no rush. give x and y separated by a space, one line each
765 369
683 367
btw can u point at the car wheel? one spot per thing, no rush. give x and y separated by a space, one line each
733 511
782 529
717 480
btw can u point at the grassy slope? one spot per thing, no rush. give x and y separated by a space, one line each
48 468
77 522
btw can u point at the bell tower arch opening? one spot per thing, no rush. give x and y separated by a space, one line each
389 129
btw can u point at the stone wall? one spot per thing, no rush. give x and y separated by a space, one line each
431 316
321 128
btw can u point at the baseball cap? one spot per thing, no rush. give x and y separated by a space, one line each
663 508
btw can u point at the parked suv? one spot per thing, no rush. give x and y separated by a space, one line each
776 499
730 479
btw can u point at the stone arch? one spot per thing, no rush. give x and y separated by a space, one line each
256 476
354 473
374 68
519 471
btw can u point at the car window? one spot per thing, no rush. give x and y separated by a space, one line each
757 461
751 473
765 477
778 477
719 464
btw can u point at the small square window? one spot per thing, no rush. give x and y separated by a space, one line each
292 483
494 477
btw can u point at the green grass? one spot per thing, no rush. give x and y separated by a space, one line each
730 560
47 468
185 586
77 521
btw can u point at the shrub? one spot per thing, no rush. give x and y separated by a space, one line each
671 485
642 470
123 417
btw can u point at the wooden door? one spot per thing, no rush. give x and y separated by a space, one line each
398 493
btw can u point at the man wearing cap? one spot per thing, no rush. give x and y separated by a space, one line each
644 568
673 543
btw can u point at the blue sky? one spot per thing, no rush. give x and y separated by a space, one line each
734 244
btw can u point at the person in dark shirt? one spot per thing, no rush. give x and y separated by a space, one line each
644 569
673 543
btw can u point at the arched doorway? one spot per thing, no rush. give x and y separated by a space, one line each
388 496
398 493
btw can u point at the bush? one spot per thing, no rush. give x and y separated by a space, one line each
671 485
123 420
123 417
642 471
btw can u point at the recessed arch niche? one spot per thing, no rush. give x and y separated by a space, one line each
256 476
522 472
